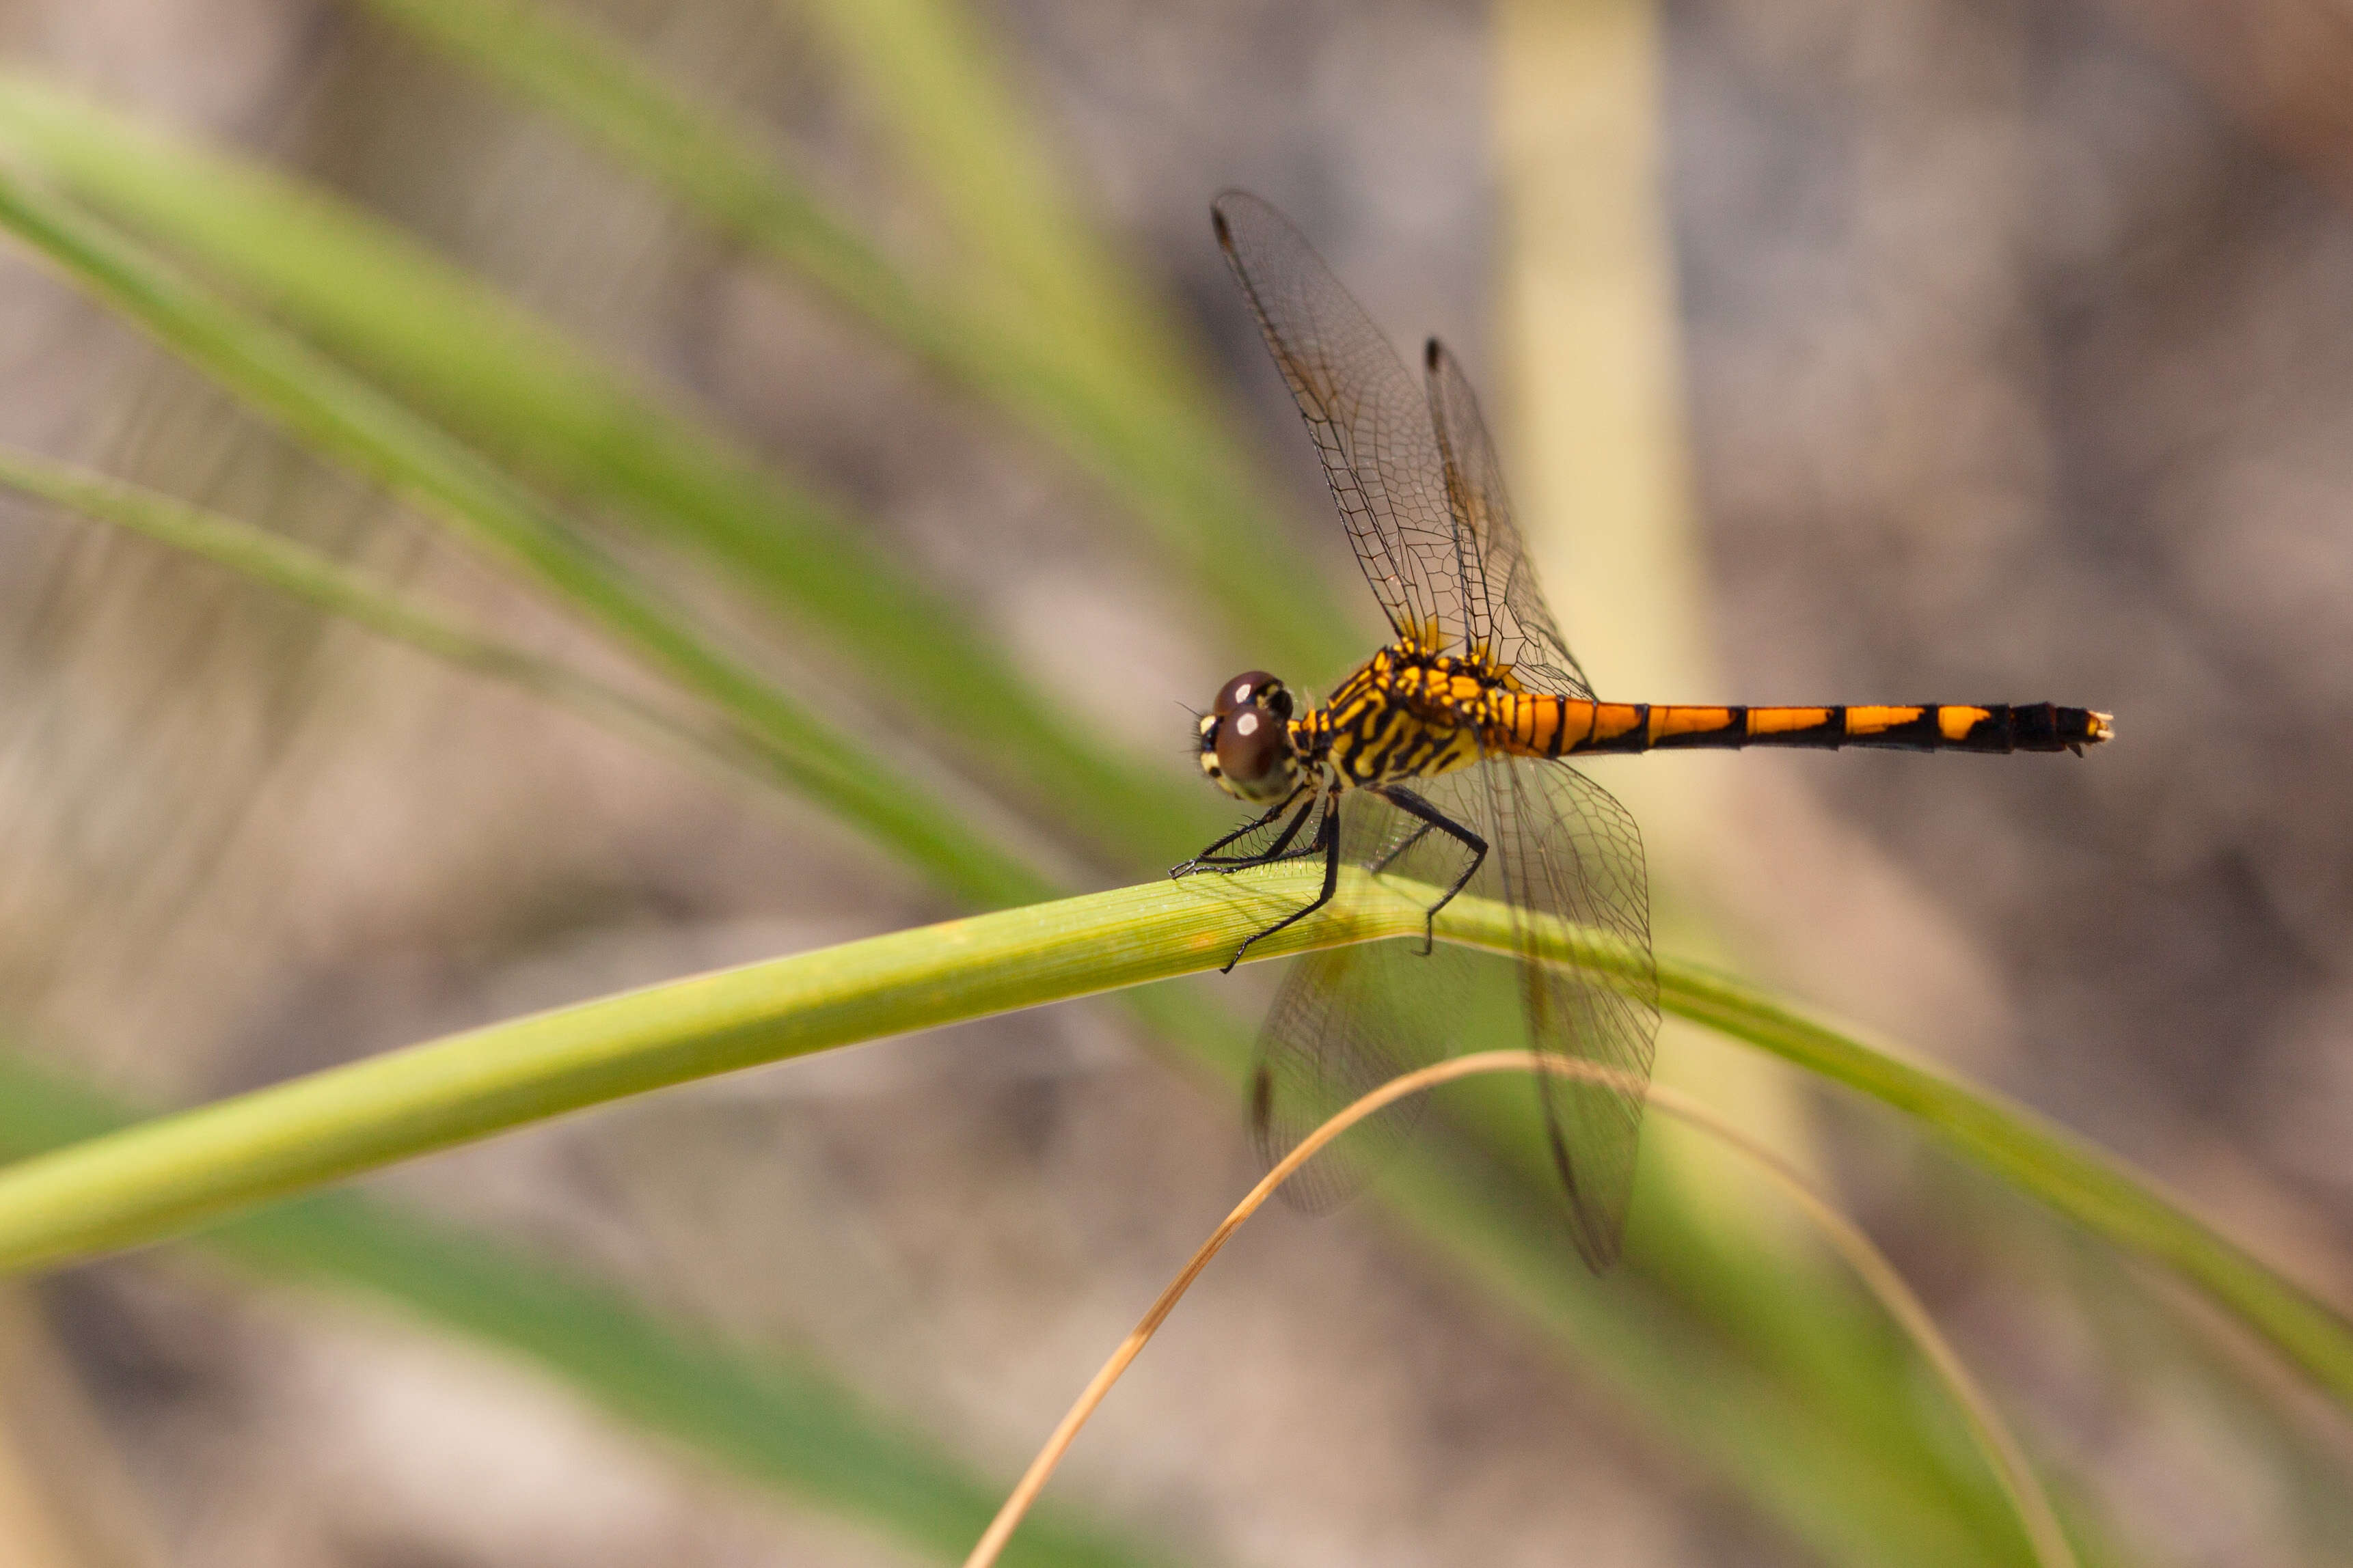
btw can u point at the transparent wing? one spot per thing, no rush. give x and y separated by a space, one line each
1567 851
1504 606
1371 424
1348 1019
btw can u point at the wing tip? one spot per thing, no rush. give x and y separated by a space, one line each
1597 1225
1222 207
1600 1254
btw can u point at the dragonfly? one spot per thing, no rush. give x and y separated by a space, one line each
1442 764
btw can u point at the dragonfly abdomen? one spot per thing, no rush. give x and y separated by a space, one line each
1531 724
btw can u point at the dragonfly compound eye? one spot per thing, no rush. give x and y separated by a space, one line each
1254 686
1253 750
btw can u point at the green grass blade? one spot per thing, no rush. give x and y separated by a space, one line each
161 1178
775 1422
518 387
157 1180
317 579
349 420
961 130
1171 464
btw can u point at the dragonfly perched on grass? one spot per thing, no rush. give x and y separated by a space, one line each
1440 762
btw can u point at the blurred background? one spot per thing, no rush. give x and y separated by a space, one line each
1955 350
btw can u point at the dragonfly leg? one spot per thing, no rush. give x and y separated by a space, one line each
1412 805
1399 852
1280 848
1209 859
1327 840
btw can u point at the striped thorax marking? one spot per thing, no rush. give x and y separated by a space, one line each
1408 713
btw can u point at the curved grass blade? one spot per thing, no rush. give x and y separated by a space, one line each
2005 1460
779 1423
1170 462
345 418
2041 1159
518 387
161 1178
320 580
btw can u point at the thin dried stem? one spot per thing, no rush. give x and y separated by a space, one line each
2001 1450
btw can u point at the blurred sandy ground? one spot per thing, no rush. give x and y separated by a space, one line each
2019 367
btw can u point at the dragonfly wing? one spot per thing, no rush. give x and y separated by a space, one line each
1504 606
1370 423
1348 1019
1568 851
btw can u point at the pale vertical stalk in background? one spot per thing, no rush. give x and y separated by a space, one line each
1590 391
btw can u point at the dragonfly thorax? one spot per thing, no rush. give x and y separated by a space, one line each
1409 714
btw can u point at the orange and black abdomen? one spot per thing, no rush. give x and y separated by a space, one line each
1565 726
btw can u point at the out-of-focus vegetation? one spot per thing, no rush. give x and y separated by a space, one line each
665 548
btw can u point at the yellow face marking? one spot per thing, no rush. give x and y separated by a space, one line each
1874 720
1678 720
1781 720
1611 720
1955 724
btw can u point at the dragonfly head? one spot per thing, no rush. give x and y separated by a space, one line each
1245 739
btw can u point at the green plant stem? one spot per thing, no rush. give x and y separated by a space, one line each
171 1174
160 1179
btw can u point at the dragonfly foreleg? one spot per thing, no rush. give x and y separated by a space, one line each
1412 805
1327 840
1209 858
